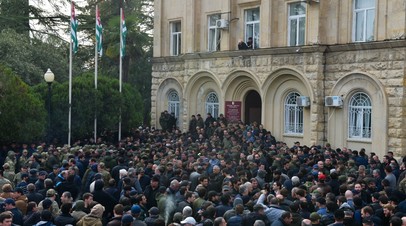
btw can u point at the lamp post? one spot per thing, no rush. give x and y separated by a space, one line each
49 78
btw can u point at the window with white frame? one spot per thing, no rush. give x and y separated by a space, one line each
252 27
212 104
360 116
293 115
173 103
214 34
297 24
176 38
364 20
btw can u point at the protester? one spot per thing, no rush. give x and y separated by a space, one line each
219 172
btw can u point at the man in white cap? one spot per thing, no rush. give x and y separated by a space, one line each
188 221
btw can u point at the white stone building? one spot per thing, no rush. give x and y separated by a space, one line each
346 53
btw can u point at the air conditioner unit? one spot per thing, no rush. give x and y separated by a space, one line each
221 23
303 101
310 1
333 101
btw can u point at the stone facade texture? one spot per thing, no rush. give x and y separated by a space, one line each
329 64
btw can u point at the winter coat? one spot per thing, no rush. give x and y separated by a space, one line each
64 219
89 220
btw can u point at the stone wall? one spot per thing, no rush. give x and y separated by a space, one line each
320 66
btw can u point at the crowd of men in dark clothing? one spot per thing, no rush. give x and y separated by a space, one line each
216 174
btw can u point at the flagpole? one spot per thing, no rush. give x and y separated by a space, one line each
95 79
70 86
120 70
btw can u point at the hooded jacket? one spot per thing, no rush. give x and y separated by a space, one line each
89 220
94 218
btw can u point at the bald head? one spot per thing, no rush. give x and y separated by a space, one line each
348 194
306 222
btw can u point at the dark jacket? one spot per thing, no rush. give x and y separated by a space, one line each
221 209
150 221
104 198
64 219
68 186
234 220
34 197
115 221
31 218
17 216
150 194
279 222
249 219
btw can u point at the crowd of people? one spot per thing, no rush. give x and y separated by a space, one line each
215 174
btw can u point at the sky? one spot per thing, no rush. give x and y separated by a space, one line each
65 9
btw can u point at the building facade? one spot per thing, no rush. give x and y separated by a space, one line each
317 71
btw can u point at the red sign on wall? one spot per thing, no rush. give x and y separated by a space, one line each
233 111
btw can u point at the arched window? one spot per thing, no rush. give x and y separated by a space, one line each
212 104
293 115
359 116
173 103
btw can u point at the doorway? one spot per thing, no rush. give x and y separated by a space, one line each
253 107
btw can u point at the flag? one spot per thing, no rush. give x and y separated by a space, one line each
123 34
73 29
99 32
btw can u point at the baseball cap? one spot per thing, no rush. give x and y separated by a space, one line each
135 209
189 220
9 201
50 193
226 188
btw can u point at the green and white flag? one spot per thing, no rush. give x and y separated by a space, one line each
123 34
73 29
99 32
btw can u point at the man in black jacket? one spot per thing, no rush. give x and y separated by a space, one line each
257 214
104 198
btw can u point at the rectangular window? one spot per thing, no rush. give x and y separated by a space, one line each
176 35
252 28
214 33
297 24
364 20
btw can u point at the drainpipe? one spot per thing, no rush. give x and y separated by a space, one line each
324 94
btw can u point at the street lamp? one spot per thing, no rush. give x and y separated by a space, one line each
49 78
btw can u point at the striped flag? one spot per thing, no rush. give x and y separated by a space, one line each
99 32
123 34
73 29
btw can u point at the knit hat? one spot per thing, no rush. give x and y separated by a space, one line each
154 211
97 210
79 205
127 218
50 193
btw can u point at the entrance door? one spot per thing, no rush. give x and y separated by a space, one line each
253 107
